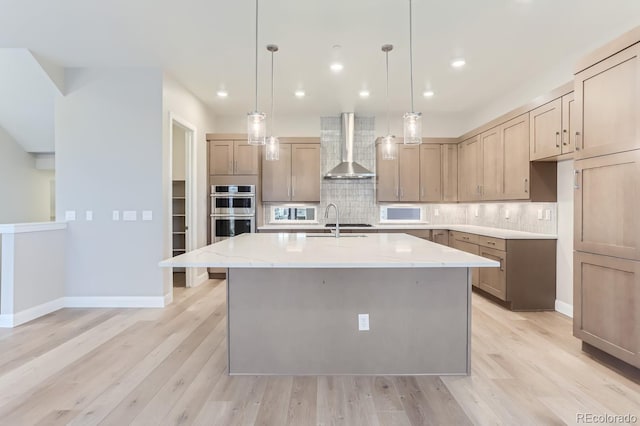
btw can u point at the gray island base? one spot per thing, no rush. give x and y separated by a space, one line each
305 321
294 302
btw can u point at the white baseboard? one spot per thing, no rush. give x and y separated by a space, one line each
168 298
14 320
564 308
115 302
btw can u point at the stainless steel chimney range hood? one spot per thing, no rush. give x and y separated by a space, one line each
348 169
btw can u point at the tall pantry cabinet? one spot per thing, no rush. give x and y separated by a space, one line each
606 206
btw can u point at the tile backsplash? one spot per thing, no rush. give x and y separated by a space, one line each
357 198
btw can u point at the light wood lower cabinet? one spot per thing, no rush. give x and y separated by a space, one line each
606 205
295 176
440 236
606 304
526 277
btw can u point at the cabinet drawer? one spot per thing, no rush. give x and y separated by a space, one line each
492 243
494 280
467 238
420 233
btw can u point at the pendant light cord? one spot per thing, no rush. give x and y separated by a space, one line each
272 101
388 119
256 56
410 51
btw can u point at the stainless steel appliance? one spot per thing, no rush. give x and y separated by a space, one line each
233 211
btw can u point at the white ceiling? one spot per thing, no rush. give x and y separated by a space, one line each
208 45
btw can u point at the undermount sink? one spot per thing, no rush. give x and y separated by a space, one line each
333 236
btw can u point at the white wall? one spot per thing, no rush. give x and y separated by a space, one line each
24 190
434 125
564 260
182 104
109 156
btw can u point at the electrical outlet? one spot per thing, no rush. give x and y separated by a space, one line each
506 214
147 215
363 322
70 215
476 212
436 212
129 215
547 214
115 216
539 214
88 215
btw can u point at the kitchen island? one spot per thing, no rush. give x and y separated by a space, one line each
297 303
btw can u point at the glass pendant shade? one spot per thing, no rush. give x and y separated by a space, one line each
257 128
389 147
412 128
272 149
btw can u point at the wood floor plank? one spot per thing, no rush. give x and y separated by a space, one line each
303 409
274 409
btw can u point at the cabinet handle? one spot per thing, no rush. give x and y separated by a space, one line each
293 187
564 140
501 264
526 185
288 191
231 167
491 242
576 174
575 141
401 193
557 140
422 192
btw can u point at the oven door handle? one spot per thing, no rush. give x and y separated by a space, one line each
233 195
233 216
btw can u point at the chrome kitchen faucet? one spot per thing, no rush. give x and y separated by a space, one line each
326 215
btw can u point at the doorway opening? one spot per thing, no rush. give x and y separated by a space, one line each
182 137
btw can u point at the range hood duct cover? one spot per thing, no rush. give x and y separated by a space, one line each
348 169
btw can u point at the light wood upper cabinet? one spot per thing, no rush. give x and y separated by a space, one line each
449 172
469 169
430 172
606 206
387 189
232 158
546 130
607 97
305 172
295 176
491 165
569 128
276 176
409 172
516 170
606 310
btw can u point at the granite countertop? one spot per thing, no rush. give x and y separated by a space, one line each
280 250
472 229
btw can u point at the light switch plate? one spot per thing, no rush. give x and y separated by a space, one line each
70 215
506 214
539 214
476 212
547 214
363 322
436 212
129 215
147 215
115 215
88 215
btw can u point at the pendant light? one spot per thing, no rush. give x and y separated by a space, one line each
389 141
256 121
272 149
412 120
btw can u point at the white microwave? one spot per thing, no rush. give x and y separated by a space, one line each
401 214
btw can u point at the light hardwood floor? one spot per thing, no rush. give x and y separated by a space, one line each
167 366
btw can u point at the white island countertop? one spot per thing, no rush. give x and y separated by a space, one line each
280 250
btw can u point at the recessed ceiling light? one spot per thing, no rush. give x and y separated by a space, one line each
299 93
222 93
336 67
428 93
364 93
458 63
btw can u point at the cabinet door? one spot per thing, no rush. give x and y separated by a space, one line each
492 162
608 105
430 173
440 236
221 157
606 205
387 188
568 123
245 158
515 139
276 176
409 172
468 169
494 280
305 172
546 130
449 172
606 304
